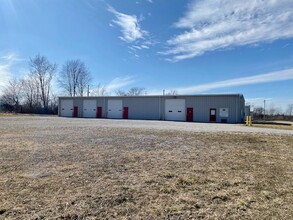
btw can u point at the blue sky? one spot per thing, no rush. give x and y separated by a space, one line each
194 46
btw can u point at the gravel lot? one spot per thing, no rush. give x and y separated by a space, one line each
32 122
62 168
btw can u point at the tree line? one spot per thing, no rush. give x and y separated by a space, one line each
273 113
33 93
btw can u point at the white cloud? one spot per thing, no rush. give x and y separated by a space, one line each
129 24
5 64
144 46
212 25
119 83
262 78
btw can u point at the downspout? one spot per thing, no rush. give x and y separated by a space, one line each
105 110
163 108
59 106
160 113
236 109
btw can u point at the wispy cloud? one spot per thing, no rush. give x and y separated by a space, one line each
262 78
132 33
130 26
6 63
119 83
210 25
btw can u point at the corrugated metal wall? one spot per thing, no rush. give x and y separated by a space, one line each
146 108
202 105
153 107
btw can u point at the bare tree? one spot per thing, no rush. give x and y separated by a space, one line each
119 92
134 91
74 77
290 110
100 90
43 71
172 92
271 110
10 100
83 80
30 91
258 113
54 104
258 110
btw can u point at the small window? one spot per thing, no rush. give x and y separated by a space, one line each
170 111
179 111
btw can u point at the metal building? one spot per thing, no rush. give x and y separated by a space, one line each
221 108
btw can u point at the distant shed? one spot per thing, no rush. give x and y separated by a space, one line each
221 108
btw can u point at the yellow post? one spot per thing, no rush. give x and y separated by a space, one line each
248 121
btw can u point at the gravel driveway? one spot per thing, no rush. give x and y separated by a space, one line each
36 121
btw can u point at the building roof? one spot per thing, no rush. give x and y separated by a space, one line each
152 96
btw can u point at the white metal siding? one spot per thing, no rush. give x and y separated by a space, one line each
90 108
175 109
67 108
114 108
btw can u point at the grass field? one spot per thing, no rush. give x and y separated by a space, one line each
78 169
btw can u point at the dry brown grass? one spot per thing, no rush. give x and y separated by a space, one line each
117 173
276 126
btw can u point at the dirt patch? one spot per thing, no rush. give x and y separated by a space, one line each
78 171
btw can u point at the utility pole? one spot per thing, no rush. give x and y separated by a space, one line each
88 90
163 91
264 109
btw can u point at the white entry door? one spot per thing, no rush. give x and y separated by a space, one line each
67 108
89 108
175 109
115 109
